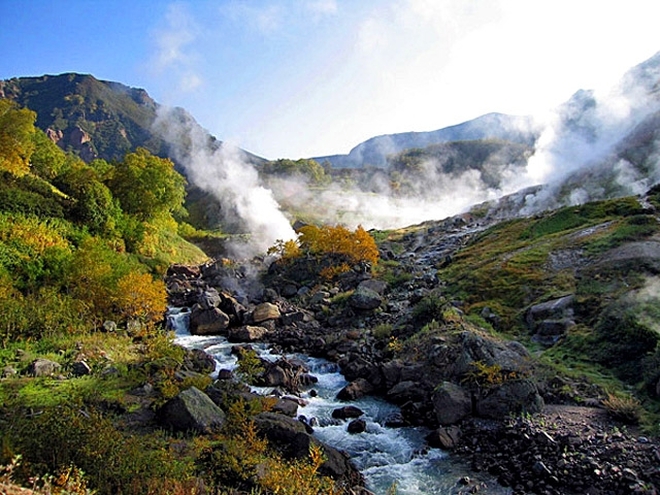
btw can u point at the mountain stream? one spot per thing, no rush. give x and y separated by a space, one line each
387 457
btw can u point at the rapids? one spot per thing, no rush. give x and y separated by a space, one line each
392 460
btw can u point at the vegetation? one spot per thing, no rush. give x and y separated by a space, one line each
332 248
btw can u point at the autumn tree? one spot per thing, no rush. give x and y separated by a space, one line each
16 137
147 186
139 296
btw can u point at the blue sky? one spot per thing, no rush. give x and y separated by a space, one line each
285 78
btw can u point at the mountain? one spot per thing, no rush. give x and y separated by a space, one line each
95 118
374 151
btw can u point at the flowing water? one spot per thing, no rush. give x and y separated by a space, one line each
386 456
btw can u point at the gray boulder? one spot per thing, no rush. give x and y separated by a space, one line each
356 389
511 397
191 410
451 403
246 333
43 367
211 321
365 299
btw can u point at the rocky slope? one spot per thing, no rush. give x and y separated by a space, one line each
401 333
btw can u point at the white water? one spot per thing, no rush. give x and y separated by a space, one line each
386 456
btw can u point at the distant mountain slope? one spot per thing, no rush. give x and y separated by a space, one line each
374 151
94 118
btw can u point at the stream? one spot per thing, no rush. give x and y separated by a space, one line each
387 457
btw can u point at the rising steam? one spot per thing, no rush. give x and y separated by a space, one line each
223 171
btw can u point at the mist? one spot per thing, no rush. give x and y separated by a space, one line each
225 172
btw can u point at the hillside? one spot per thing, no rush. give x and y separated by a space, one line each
375 151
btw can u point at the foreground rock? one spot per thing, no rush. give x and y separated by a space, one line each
564 450
191 410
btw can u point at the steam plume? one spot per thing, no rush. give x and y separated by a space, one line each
222 170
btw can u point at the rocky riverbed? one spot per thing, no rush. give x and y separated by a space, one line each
486 399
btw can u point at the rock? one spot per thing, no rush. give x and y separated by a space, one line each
365 299
347 412
109 326
356 389
375 285
43 367
406 391
555 309
210 298
199 361
511 397
208 321
451 403
265 311
444 438
9 372
81 368
246 334
290 437
357 426
191 410
183 271
286 406
289 290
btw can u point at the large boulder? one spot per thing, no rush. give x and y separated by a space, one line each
199 361
246 333
211 321
264 312
290 437
511 397
356 389
191 410
451 403
43 367
365 299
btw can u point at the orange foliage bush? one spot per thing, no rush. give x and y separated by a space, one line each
356 246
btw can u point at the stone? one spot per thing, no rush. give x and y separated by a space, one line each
357 426
347 412
405 391
265 311
289 290
375 285
184 271
451 403
109 326
210 298
81 368
199 361
511 397
444 438
208 321
43 367
286 406
191 410
246 333
356 389
365 299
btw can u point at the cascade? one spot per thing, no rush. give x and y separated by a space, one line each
386 456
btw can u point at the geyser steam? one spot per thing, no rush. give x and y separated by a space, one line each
222 170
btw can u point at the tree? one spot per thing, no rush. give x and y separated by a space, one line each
147 186
141 297
48 159
16 137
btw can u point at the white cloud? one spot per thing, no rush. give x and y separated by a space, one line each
322 7
174 53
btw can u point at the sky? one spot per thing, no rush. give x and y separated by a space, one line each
306 78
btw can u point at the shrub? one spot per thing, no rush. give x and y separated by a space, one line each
623 408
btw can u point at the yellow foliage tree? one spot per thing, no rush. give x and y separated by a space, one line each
357 246
16 137
141 297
